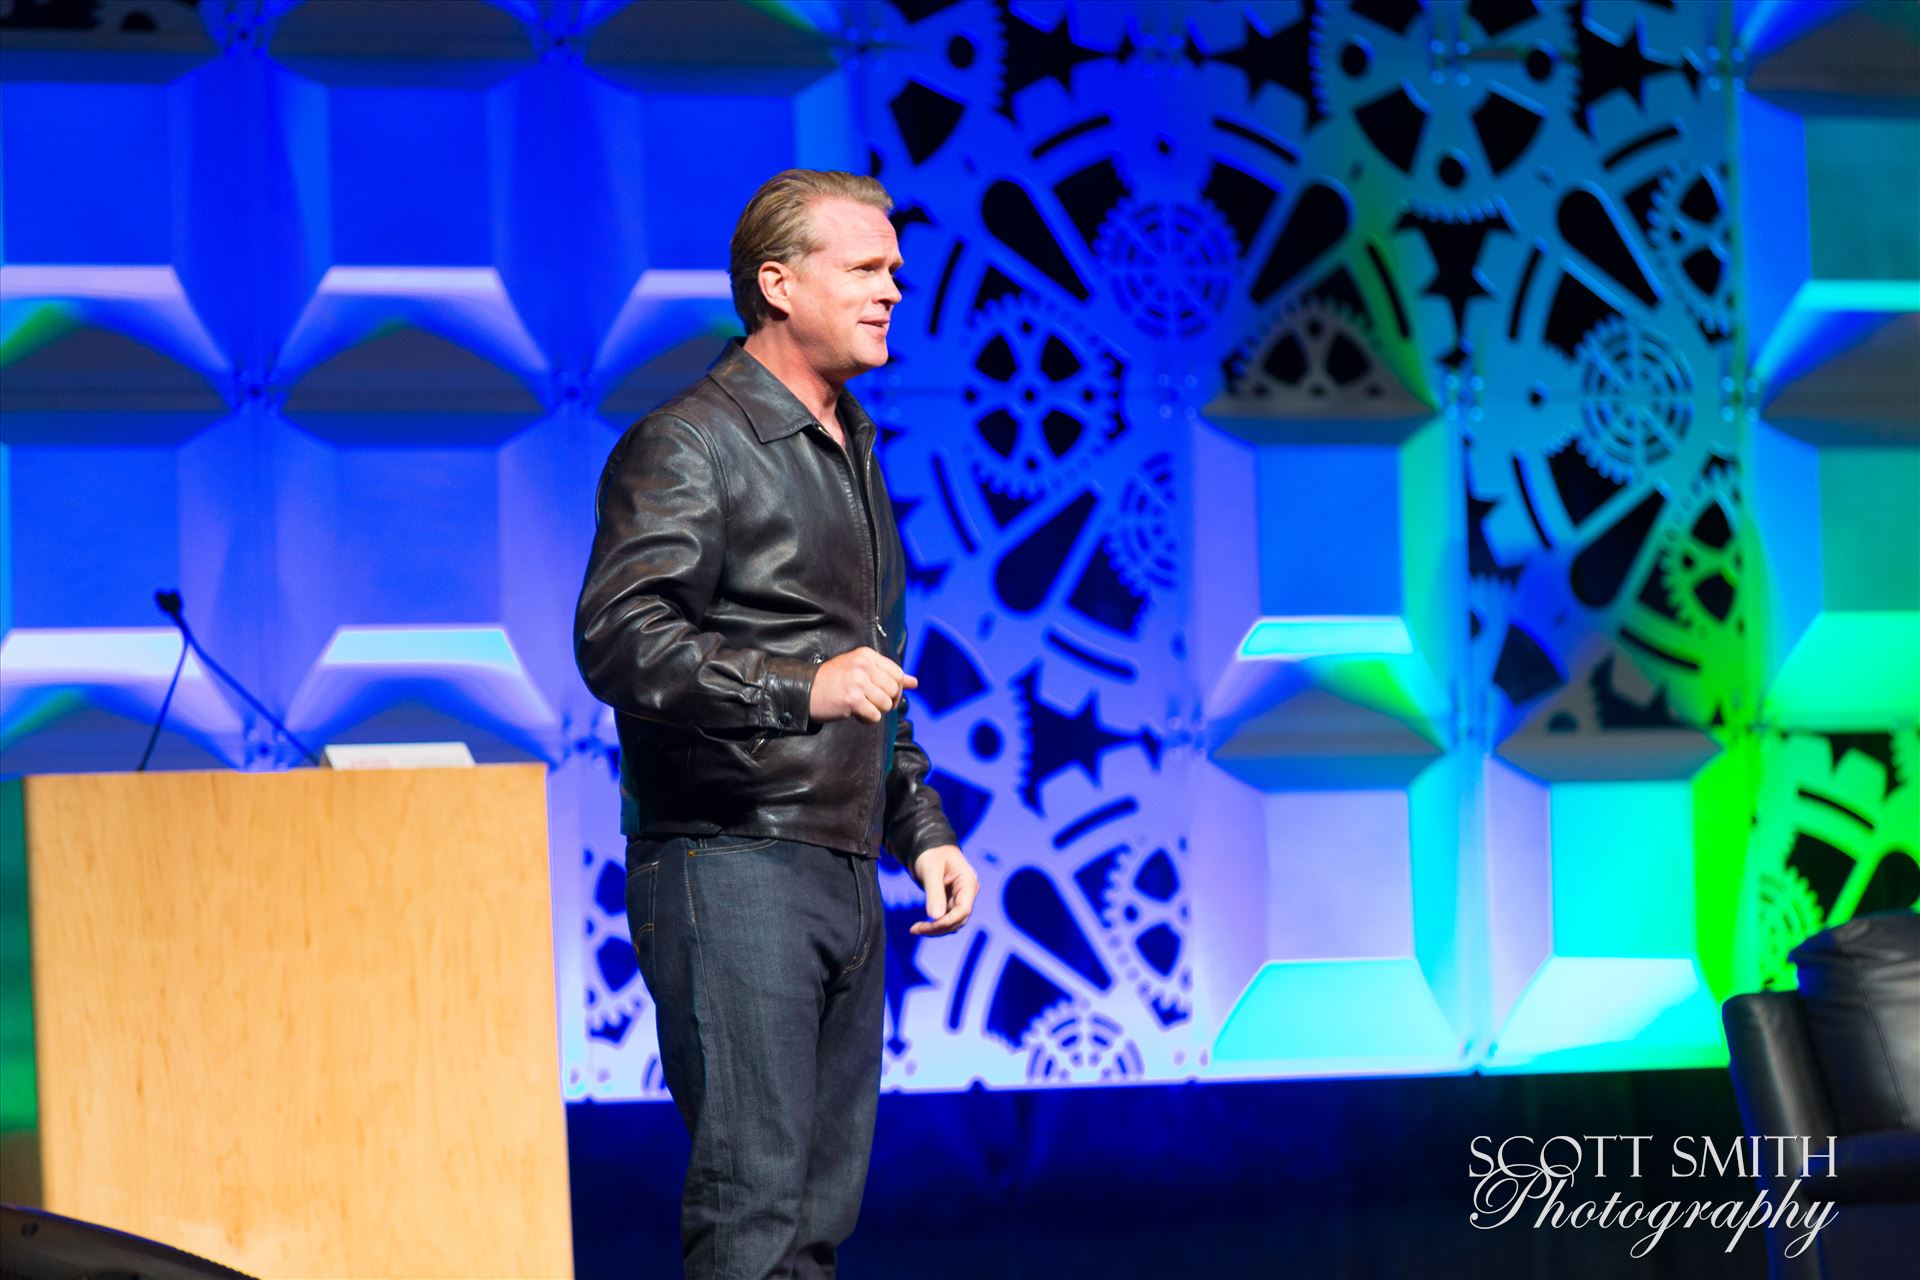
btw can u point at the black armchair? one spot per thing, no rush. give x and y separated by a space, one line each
1839 1059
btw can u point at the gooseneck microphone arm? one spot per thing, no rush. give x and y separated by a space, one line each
165 702
169 602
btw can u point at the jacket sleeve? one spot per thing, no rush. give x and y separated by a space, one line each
658 547
915 820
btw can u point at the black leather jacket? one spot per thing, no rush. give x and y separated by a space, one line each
736 547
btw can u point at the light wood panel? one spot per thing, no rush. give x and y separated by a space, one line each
302 1023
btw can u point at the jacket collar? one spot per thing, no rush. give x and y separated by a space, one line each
773 410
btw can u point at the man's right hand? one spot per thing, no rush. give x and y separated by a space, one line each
860 682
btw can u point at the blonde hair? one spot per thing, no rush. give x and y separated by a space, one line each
777 226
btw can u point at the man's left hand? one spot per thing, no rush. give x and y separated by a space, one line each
950 884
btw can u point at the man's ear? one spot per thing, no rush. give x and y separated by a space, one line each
775 280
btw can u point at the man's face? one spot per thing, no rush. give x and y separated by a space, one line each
840 297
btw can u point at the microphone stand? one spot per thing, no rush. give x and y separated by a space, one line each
169 602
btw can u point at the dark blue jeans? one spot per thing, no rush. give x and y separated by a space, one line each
766 961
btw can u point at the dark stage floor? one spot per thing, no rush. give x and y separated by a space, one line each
1327 1179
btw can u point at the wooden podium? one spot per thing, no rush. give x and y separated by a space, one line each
302 1023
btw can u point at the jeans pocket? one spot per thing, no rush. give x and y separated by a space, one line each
723 843
640 919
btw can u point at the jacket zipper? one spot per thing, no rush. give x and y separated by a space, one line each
873 536
873 569
882 641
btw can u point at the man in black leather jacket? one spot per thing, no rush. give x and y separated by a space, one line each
743 613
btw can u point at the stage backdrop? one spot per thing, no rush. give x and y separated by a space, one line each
1412 506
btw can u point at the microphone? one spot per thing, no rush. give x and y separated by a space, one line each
169 602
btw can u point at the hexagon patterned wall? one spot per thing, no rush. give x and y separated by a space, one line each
1413 505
